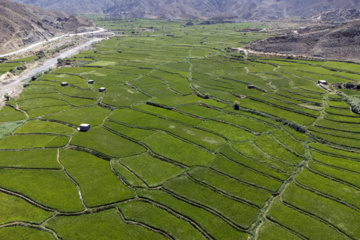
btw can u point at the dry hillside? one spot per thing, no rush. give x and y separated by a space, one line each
203 9
340 42
21 25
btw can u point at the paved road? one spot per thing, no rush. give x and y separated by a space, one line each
14 86
50 40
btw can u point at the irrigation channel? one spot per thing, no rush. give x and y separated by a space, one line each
14 86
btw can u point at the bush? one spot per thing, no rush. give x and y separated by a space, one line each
7 97
40 55
295 126
355 104
349 85
236 105
36 76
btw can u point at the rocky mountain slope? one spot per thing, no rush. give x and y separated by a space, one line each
203 9
21 25
341 42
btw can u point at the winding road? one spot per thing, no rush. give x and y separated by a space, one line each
50 40
14 86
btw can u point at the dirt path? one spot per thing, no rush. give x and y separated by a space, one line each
14 86
50 40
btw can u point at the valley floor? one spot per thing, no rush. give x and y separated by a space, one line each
187 140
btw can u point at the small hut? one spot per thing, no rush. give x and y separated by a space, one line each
250 86
84 127
91 82
322 82
102 89
64 84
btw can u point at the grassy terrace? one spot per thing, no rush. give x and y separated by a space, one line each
170 155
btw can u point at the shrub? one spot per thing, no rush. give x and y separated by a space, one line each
36 76
355 104
7 97
236 105
349 85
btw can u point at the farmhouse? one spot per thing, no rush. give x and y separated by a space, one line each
322 82
250 86
64 84
91 82
102 89
84 127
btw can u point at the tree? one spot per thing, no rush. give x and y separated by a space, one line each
236 105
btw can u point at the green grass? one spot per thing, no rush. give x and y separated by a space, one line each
160 219
232 133
106 143
335 133
37 126
332 151
239 213
14 209
244 122
29 159
151 170
37 112
272 231
99 186
274 149
121 96
340 175
149 122
277 112
47 187
345 164
177 150
302 224
166 143
93 115
230 186
251 151
60 141
348 127
343 119
243 174
18 232
340 216
168 114
233 155
8 128
75 70
26 142
178 101
102 225
341 112
289 142
337 104
323 185
199 111
126 175
135 133
212 224
9 114
41 103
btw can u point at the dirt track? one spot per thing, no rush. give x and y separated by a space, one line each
14 86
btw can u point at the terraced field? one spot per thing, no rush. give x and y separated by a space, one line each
180 147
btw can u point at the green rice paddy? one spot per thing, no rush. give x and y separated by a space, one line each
169 155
